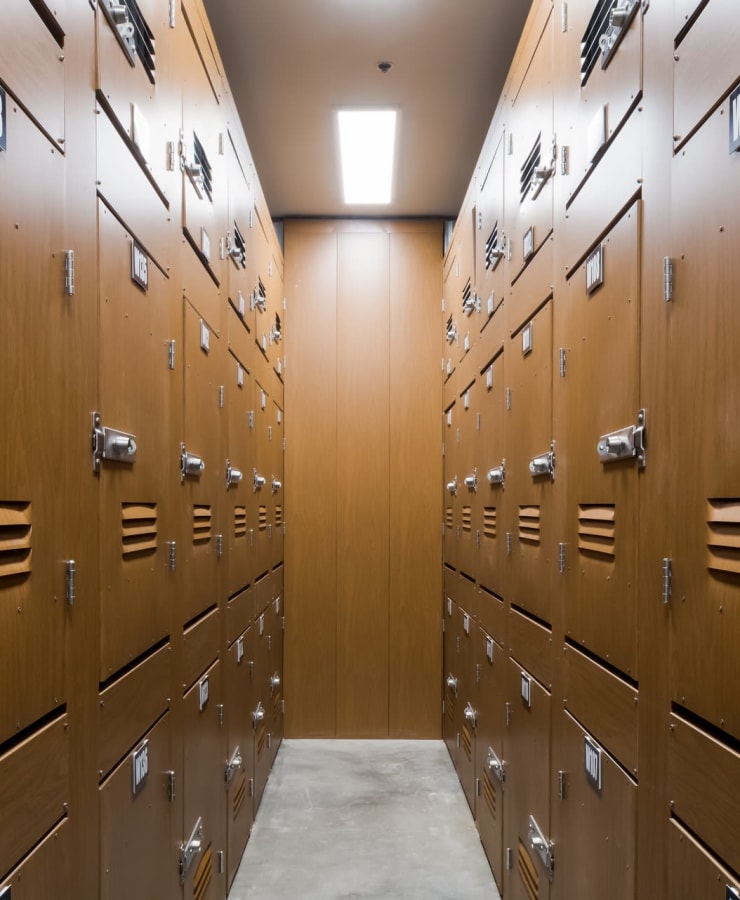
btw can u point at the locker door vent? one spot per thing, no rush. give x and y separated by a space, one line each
723 536
468 300
278 516
467 741
202 517
239 248
590 42
529 524
262 520
489 522
15 539
134 34
201 161
203 875
467 518
528 872
493 254
450 705
138 529
240 521
489 794
240 795
261 737
527 172
277 707
449 518
596 529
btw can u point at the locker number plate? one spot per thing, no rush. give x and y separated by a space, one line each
528 243
239 649
140 766
595 269
3 146
139 266
734 127
202 693
526 689
205 337
593 762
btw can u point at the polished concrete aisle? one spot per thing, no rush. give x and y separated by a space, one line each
364 819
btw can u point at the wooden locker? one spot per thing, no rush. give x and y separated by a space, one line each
261 714
241 243
492 615
138 852
600 431
530 643
452 485
451 325
33 612
694 872
46 870
276 478
240 613
261 474
274 625
490 244
452 678
467 696
469 478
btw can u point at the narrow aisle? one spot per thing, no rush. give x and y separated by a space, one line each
363 819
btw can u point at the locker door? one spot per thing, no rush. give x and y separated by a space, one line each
450 310
261 723
138 853
596 836
276 476
204 797
467 696
261 476
452 687
470 484
527 796
490 246
202 493
274 618
137 395
491 663
240 243
452 482
44 871
490 454
240 748
599 331
32 501
704 404
465 298
530 464
693 872
530 165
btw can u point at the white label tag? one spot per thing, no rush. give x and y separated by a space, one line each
595 269
592 757
528 243
202 693
239 649
139 766
205 337
526 689
139 266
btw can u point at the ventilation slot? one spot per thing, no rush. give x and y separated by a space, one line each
240 795
240 521
723 536
590 46
526 176
201 160
492 256
467 742
260 299
135 36
468 301
15 539
450 706
467 518
203 875
278 516
529 524
449 518
262 521
277 707
489 522
138 528
596 525
239 250
261 735
528 872
201 524
489 794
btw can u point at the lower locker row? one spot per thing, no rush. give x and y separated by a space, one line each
546 749
183 760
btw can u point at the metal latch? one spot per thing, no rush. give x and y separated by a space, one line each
451 331
276 485
190 464
118 15
626 443
541 845
497 475
620 18
233 476
543 464
233 766
259 481
109 443
543 173
471 715
496 766
452 486
274 682
259 714
451 682
189 849
471 481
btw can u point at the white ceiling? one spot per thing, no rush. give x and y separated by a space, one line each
291 63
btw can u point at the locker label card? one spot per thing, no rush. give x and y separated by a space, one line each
140 766
139 266
526 690
734 121
3 146
593 762
595 269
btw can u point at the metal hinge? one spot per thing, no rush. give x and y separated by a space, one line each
561 558
667 579
477 421
508 713
220 715
667 279
70 581
508 543
282 707
220 862
564 17
508 398
170 156
173 7
509 859
220 396
477 673
477 787
219 546
171 355
69 273
561 785
172 555
250 419
251 787
480 220
170 786
477 538
625 443
443 707
564 154
541 845
562 362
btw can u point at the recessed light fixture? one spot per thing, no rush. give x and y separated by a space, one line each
367 148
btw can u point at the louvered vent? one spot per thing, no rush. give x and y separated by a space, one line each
240 795
240 521
723 536
277 707
201 524
468 300
527 172
278 516
203 875
138 528
596 527
134 33
450 518
467 741
260 298
493 255
15 539
262 520
450 705
590 47
467 518
489 522
201 160
239 248
261 738
528 872
489 794
529 524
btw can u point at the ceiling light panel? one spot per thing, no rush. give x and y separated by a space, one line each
367 140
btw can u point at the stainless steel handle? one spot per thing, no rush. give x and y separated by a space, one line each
452 683
471 715
544 464
497 475
259 481
452 486
190 464
471 481
275 681
233 476
276 485
259 714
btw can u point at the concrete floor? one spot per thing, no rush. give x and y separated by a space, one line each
364 819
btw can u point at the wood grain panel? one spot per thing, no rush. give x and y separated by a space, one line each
310 482
46 871
415 642
363 472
